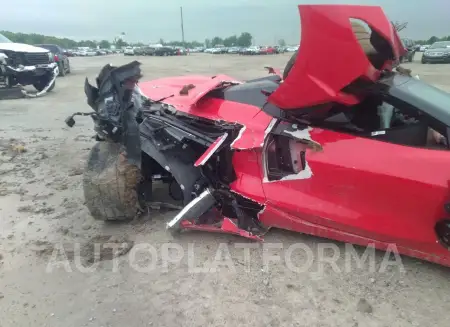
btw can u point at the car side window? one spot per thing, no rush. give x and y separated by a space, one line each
406 125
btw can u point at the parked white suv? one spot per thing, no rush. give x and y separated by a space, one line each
23 64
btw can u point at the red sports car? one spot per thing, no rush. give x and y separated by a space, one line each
340 148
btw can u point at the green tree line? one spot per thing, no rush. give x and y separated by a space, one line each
433 39
244 39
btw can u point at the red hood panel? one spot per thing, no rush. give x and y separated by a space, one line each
330 56
170 88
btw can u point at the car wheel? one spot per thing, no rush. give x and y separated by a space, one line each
423 61
42 83
109 184
62 71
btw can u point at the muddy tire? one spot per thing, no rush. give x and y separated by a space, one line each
110 184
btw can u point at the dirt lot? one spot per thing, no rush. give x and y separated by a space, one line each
41 209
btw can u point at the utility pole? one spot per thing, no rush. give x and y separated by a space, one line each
182 26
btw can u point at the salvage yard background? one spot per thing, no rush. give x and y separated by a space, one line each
41 206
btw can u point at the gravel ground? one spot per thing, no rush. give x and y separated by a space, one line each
42 215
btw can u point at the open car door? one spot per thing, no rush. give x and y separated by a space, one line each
331 57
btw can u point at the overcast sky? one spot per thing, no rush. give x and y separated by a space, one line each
150 20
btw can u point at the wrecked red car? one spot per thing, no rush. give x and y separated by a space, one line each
340 148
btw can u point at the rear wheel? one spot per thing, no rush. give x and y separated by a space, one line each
62 70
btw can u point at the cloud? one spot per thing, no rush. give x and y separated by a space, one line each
151 20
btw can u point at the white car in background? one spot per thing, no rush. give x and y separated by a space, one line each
129 51
91 53
423 48
292 49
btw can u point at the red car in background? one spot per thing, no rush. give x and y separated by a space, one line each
268 50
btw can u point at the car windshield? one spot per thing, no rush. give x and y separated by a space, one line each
4 39
50 47
440 45
436 96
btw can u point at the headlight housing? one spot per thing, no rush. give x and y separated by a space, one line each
50 56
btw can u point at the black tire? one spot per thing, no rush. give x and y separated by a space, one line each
42 83
423 61
62 71
110 184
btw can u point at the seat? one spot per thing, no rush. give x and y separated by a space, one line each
386 112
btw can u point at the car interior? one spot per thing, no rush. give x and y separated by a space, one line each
378 118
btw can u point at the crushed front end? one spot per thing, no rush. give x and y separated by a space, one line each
18 69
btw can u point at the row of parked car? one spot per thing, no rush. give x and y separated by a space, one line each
180 51
155 51
91 52
253 50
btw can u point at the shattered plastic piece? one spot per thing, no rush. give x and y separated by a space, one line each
197 207
211 150
241 131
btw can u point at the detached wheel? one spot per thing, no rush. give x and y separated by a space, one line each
110 183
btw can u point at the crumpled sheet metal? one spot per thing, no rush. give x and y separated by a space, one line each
21 69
